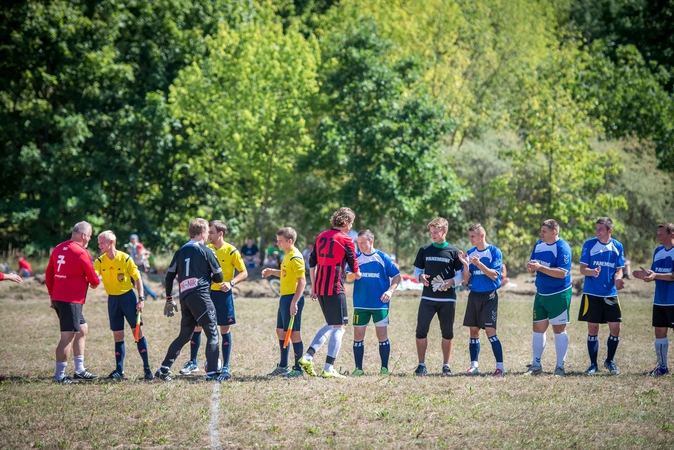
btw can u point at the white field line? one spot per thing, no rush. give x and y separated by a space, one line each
215 409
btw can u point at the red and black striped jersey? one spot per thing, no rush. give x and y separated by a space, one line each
332 251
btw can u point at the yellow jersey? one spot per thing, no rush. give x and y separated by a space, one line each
230 259
118 273
292 268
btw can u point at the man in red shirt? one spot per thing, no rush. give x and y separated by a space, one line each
70 273
333 250
25 270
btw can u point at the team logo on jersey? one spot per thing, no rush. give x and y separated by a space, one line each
189 283
566 259
120 277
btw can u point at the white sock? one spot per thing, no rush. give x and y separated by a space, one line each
327 367
661 350
335 342
79 363
562 346
538 345
499 365
308 357
474 364
320 338
60 371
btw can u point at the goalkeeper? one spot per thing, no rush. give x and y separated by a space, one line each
196 267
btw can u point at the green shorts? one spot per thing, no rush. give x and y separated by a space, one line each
361 317
555 307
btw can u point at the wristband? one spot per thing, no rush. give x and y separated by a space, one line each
169 298
141 298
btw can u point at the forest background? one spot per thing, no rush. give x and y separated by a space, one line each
138 115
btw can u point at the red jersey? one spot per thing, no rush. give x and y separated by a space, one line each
332 251
23 264
69 273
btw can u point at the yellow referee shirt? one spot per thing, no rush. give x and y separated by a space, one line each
117 273
292 268
230 259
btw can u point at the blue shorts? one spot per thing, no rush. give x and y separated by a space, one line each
121 307
224 307
283 316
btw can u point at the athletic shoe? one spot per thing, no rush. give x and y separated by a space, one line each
446 371
498 373
66 380
307 366
331 374
473 371
534 370
294 374
190 367
384 371
222 376
85 375
421 370
357 372
659 371
559 371
117 376
593 369
164 376
610 365
148 375
279 371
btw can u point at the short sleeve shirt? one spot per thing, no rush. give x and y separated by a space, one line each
377 270
230 259
118 273
492 259
555 255
442 261
663 262
609 257
292 268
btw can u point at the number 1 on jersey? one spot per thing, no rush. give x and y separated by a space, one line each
187 267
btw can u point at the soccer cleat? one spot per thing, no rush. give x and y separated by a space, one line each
190 367
164 376
421 370
659 371
357 372
534 370
331 374
222 376
85 375
498 373
384 371
559 371
279 371
446 371
117 376
473 371
593 369
294 374
148 374
610 365
307 367
66 380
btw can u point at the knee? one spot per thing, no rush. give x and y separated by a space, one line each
422 334
448 335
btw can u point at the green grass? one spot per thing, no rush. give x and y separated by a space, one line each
400 411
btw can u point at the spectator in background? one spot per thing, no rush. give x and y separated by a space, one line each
140 256
25 270
306 253
275 252
250 254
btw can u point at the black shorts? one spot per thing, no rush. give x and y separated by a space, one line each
283 315
445 312
481 310
197 308
596 309
334 309
663 316
70 316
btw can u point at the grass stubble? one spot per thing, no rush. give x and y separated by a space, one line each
400 411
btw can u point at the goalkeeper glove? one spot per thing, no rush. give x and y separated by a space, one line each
170 308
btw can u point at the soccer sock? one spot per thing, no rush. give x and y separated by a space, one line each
497 349
593 348
142 351
612 346
60 371
284 353
298 348
333 347
358 353
195 342
562 346
385 352
538 345
226 348
79 363
661 349
320 338
120 354
474 348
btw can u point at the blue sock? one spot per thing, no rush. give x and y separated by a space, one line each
142 349
474 348
120 353
195 342
496 348
298 349
612 346
592 348
226 349
358 353
284 353
384 352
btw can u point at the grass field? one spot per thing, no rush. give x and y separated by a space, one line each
400 411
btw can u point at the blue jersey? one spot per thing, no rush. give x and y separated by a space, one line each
377 270
557 255
663 262
490 257
609 257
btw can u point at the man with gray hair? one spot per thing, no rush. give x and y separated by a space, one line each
69 274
